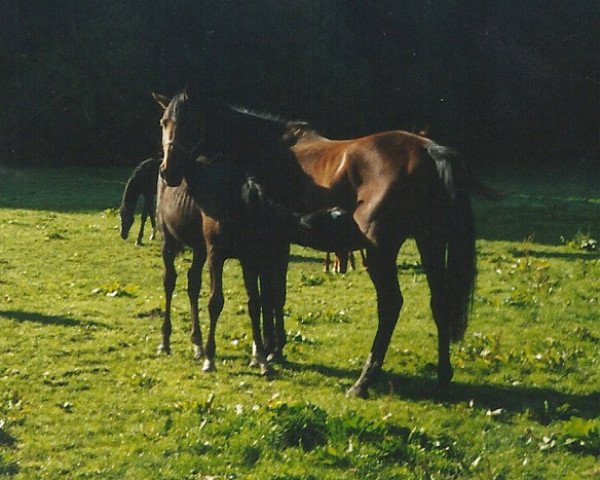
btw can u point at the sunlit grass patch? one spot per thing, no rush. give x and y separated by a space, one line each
83 393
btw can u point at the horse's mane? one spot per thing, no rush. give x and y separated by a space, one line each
270 117
294 130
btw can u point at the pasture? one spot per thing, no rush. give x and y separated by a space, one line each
83 393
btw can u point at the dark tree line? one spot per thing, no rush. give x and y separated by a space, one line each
503 81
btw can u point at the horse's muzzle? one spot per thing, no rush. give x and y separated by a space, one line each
171 179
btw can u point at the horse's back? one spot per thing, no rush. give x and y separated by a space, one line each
369 164
388 179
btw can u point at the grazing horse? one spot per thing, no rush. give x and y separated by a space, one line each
180 222
229 137
399 185
142 182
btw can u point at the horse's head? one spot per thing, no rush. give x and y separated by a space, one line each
126 214
295 131
182 125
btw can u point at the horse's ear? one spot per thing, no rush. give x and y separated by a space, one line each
161 100
191 91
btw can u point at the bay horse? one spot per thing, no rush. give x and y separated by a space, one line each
189 127
399 185
142 182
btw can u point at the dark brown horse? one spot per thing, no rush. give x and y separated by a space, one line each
401 185
141 182
190 126
180 223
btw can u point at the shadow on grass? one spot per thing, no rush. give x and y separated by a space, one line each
559 255
544 404
35 317
307 259
541 402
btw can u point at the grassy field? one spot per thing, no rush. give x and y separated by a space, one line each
83 393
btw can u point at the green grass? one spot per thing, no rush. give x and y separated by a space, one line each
84 395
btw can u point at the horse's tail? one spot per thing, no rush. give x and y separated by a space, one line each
461 256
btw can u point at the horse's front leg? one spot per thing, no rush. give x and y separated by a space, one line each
169 252
140 237
250 272
151 209
194 286
215 307
383 272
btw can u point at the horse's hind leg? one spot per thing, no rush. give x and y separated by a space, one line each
140 237
433 250
384 274
215 307
279 296
169 252
194 285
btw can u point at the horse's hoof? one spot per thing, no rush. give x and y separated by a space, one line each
357 391
276 357
444 378
209 366
254 362
266 370
198 352
163 349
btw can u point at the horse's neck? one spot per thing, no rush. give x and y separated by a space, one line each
133 190
316 149
215 187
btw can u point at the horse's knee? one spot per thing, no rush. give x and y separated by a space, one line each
215 305
391 304
194 284
169 281
254 304
439 310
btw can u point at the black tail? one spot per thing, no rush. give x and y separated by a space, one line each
461 265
